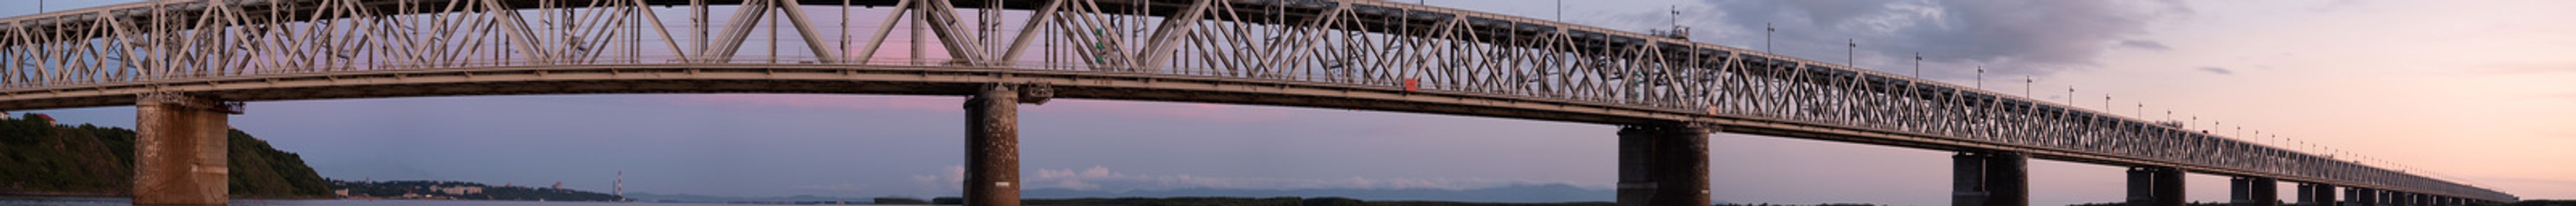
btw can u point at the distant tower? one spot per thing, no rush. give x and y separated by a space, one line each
620 188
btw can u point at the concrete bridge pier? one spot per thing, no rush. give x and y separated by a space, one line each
2412 199
993 142
2418 200
1664 165
180 149
2421 199
2155 186
2306 194
2239 191
2396 198
2407 199
1990 178
2253 191
2314 194
2364 197
2392 198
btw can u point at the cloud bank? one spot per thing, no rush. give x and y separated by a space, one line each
2010 37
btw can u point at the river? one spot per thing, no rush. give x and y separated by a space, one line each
94 201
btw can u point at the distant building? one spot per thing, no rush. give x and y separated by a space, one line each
458 190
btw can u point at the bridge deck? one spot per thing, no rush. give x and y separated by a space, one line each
1367 55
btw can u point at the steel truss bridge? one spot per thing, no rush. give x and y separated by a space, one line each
186 62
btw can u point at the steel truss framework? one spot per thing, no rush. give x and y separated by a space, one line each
91 52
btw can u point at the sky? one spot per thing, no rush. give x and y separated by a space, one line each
2483 92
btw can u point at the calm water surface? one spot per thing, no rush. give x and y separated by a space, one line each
87 201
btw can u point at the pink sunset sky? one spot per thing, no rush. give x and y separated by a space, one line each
2479 91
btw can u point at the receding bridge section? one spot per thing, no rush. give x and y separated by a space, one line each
184 64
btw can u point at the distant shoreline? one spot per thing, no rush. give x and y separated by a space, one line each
124 195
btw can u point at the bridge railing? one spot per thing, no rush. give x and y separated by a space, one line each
1370 43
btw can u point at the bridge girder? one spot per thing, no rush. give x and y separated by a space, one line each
1238 50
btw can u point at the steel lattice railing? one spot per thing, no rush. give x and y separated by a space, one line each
1357 43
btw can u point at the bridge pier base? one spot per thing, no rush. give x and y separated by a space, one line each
2396 198
2364 197
2399 198
1664 165
2411 199
2314 194
2419 199
2253 191
180 150
1991 178
2155 186
2305 195
2424 199
993 143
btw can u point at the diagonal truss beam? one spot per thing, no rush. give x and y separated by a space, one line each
1159 46
942 18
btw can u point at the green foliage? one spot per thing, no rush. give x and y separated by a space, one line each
25 130
390 189
263 172
41 158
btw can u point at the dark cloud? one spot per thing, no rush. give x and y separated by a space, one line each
2219 71
2145 44
2010 37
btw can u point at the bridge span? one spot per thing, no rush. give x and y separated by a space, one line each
187 64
